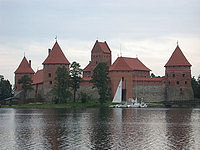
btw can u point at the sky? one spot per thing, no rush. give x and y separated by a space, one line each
147 29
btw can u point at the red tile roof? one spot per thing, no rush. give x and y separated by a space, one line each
148 79
56 56
88 67
24 67
128 64
177 59
38 77
103 46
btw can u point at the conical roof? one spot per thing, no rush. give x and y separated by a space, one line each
128 64
56 56
24 67
177 59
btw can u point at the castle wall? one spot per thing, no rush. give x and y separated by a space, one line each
179 93
115 77
150 93
89 90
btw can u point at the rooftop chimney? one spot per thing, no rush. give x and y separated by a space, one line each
29 63
49 51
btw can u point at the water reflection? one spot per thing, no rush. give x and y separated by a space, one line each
99 128
179 130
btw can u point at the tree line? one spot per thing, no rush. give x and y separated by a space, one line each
196 86
5 88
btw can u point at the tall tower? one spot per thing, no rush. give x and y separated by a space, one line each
178 77
23 69
100 53
55 59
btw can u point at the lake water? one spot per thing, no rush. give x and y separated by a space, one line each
100 128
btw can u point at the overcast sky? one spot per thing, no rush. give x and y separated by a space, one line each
148 29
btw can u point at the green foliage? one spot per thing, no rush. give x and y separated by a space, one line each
153 75
62 84
84 97
38 97
75 75
100 80
196 86
5 88
26 82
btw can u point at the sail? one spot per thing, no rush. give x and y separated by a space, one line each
118 95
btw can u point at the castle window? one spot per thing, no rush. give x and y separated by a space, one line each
50 82
183 75
177 82
169 82
173 75
185 82
96 62
122 78
49 74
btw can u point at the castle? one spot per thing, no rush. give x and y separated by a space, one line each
136 79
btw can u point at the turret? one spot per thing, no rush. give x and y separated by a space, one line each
55 59
23 69
178 77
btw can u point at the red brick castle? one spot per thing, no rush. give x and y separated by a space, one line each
136 79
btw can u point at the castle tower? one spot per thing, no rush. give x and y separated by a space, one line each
23 69
55 59
178 77
100 53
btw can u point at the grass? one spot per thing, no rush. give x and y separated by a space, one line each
89 103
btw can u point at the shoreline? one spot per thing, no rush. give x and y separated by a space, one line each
86 105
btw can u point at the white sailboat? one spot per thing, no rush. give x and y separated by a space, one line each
118 95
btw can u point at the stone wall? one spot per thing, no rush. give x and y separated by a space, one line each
89 90
179 93
150 93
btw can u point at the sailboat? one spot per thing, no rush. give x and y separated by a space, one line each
118 95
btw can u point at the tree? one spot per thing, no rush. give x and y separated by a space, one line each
196 86
5 88
62 84
153 75
100 80
75 75
26 82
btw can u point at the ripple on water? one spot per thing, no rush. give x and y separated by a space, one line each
100 129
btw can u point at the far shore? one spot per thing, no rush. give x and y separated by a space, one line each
94 104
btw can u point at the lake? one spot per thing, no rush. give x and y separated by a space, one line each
100 128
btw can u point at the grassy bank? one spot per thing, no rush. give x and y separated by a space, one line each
91 103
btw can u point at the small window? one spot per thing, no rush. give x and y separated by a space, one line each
183 75
96 62
49 74
122 78
177 82
50 82
185 82
173 75
169 82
